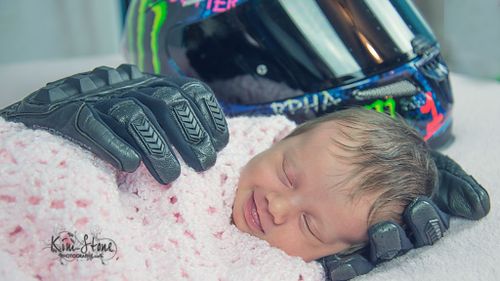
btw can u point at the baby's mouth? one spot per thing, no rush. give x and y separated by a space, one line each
251 214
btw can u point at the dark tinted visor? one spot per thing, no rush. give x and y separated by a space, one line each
297 45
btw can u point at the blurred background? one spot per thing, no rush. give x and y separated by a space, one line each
51 29
32 30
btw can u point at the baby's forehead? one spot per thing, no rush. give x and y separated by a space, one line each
337 138
328 152
332 129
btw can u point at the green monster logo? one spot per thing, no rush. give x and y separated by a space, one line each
159 9
388 106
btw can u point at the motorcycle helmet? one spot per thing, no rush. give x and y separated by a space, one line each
301 58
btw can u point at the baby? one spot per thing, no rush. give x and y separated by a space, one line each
317 191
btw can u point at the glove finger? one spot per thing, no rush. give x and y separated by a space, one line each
103 141
132 121
387 241
345 268
459 194
426 222
206 107
180 122
81 124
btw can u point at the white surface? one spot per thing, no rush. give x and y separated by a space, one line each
469 34
470 250
34 29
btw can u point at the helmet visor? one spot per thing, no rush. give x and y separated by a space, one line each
294 46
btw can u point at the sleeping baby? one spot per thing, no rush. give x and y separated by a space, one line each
317 191
328 188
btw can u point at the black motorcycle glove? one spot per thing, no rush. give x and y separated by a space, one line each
458 194
125 116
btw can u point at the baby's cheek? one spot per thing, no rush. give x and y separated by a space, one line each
237 209
292 244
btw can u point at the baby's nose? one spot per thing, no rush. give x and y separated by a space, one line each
280 206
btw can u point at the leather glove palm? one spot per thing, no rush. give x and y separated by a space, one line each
125 116
458 194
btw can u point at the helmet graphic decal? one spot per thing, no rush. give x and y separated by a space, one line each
219 6
160 14
387 106
312 102
159 9
437 118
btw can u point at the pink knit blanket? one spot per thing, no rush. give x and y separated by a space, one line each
56 197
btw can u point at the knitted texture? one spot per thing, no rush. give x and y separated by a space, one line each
180 231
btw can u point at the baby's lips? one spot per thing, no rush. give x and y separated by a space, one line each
257 216
264 215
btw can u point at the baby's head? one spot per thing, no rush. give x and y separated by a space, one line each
317 191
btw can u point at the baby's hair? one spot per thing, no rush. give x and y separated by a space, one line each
389 158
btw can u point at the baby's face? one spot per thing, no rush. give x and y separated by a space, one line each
286 196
